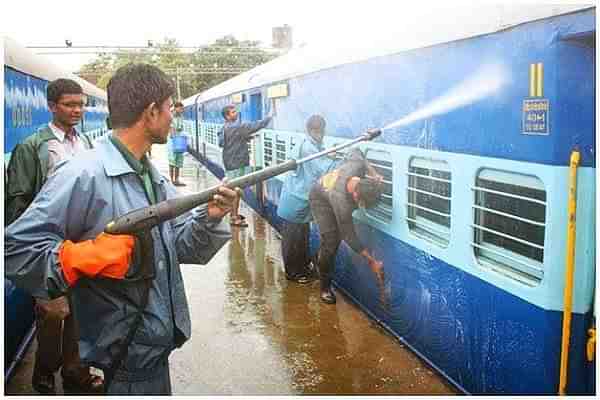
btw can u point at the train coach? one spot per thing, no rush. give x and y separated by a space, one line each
25 111
473 227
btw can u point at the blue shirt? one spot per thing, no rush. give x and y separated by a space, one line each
293 202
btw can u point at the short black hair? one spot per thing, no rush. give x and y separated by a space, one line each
226 109
178 104
132 89
61 86
369 191
315 123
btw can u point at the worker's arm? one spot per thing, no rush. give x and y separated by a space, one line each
247 129
32 243
343 214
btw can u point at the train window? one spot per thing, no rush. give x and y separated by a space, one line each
280 152
211 132
267 150
429 197
381 161
510 223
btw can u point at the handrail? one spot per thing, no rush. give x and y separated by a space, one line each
569 272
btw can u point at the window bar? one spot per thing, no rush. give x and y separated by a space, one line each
428 228
516 239
428 177
428 210
375 165
514 196
533 267
509 215
429 193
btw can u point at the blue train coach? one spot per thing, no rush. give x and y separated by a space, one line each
25 111
473 225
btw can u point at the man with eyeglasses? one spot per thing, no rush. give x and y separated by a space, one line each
32 161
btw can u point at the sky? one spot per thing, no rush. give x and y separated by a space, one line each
133 23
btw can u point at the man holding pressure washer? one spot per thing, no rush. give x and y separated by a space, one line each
128 293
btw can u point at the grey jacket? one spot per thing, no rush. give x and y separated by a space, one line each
76 204
236 136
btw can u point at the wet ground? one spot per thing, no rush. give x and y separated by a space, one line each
255 333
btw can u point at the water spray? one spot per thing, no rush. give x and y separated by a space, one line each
487 80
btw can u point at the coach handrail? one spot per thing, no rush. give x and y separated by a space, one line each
569 272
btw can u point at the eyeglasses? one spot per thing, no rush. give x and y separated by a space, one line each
73 105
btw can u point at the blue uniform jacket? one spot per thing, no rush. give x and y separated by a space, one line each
234 139
76 203
293 202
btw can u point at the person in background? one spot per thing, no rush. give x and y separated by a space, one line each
129 300
31 163
293 206
175 159
236 160
333 199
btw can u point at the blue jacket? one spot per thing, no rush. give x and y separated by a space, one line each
76 204
293 202
234 139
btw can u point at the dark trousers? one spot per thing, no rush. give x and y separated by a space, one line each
294 249
57 336
330 235
145 382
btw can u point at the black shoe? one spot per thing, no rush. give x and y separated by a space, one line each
43 383
312 271
327 296
179 183
301 279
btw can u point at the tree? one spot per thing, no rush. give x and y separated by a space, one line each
191 72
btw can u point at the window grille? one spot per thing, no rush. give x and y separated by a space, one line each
267 150
510 223
383 210
280 152
429 198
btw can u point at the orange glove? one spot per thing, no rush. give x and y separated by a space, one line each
106 255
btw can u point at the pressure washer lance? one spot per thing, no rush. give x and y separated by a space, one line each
148 217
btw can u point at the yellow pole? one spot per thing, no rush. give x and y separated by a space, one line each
569 272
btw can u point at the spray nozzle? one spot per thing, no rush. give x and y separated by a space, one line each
373 133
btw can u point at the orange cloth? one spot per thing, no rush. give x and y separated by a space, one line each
106 255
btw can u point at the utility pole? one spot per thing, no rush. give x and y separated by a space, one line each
177 82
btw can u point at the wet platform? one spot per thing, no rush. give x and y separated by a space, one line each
255 333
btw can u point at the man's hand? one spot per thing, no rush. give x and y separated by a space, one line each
106 255
374 265
222 202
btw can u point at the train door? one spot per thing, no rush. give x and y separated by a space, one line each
255 115
255 106
200 149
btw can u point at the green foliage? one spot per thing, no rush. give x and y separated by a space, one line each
197 71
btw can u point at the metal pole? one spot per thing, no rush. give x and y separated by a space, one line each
569 272
178 87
